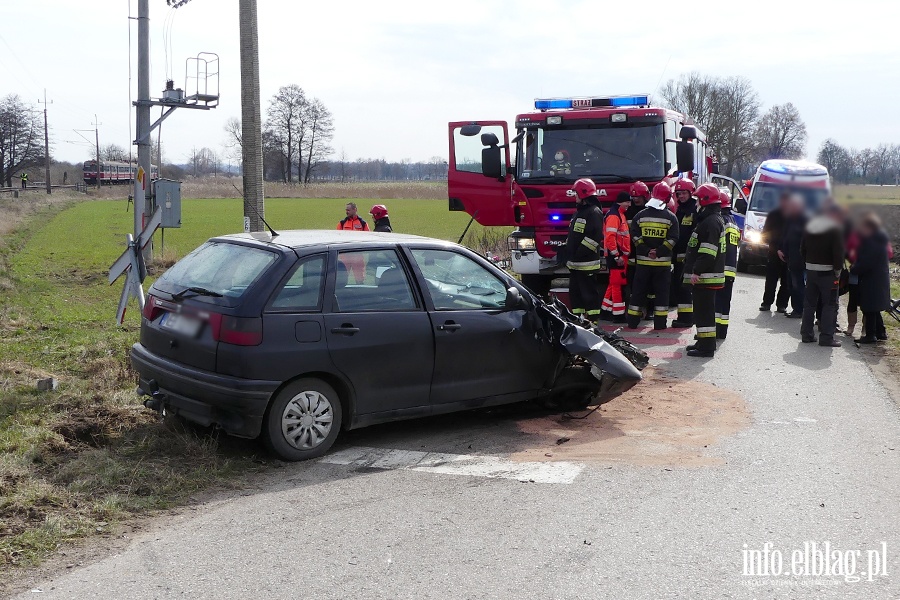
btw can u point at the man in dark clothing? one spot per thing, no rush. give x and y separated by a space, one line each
704 268
822 249
654 232
776 269
686 213
379 213
584 249
789 252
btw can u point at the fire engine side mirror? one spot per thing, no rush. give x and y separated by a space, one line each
491 165
470 130
684 156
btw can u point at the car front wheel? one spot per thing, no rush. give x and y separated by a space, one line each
303 420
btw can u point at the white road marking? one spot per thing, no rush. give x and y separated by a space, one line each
455 464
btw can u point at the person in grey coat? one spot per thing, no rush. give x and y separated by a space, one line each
872 268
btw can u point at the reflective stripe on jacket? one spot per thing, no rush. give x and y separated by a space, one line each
706 250
654 229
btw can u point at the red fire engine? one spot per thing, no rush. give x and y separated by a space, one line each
613 140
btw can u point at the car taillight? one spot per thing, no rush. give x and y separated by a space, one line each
151 307
240 331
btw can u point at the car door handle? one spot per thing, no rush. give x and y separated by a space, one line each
449 326
345 329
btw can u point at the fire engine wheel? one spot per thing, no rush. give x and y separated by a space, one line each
303 421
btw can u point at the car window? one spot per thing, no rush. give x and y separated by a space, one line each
457 282
303 290
221 267
372 280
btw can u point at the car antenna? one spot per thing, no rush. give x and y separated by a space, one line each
272 231
465 231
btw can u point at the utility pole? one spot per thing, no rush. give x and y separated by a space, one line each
46 144
251 119
143 104
97 146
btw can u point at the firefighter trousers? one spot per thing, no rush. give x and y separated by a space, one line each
614 299
650 280
723 308
584 293
705 317
680 295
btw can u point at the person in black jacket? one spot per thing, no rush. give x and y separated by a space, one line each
872 268
654 233
789 252
822 249
379 212
584 246
776 269
704 268
686 213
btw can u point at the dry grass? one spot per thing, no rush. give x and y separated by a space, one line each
867 194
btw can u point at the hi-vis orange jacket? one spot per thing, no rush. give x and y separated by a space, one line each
616 238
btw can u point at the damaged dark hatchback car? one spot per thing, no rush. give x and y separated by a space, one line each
296 336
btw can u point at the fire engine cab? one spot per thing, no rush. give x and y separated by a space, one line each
526 181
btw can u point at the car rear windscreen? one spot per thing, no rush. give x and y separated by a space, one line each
220 267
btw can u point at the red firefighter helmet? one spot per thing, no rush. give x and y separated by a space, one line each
379 211
685 185
708 194
662 191
725 198
584 188
639 188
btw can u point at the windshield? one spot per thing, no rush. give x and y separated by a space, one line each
564 154
221 268
765 196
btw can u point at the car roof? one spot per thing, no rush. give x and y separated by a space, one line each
302 238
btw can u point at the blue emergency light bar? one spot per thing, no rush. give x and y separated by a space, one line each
603 102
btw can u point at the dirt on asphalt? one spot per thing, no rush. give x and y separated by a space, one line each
663 421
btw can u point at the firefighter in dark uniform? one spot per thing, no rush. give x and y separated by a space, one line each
732 240
686 213
704 268
654 232
639 194
584 251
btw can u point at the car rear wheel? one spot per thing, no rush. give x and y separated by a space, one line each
303 420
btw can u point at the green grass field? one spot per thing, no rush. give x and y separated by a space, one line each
89 454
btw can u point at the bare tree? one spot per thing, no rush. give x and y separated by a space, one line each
320 131
286 121
21 138
113 152
726 109
781 133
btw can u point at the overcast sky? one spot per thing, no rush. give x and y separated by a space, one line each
395 72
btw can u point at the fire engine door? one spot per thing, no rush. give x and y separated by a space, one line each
479 179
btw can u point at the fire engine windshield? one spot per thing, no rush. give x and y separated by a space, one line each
564 154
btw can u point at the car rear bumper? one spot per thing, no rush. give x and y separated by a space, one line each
234 404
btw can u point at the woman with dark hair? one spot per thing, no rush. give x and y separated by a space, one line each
872 268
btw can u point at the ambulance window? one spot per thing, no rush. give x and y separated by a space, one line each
467 149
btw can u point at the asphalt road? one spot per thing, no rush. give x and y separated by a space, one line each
818 461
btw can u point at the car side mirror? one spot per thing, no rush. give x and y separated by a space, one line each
514 300
684 156
491 165
740 205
